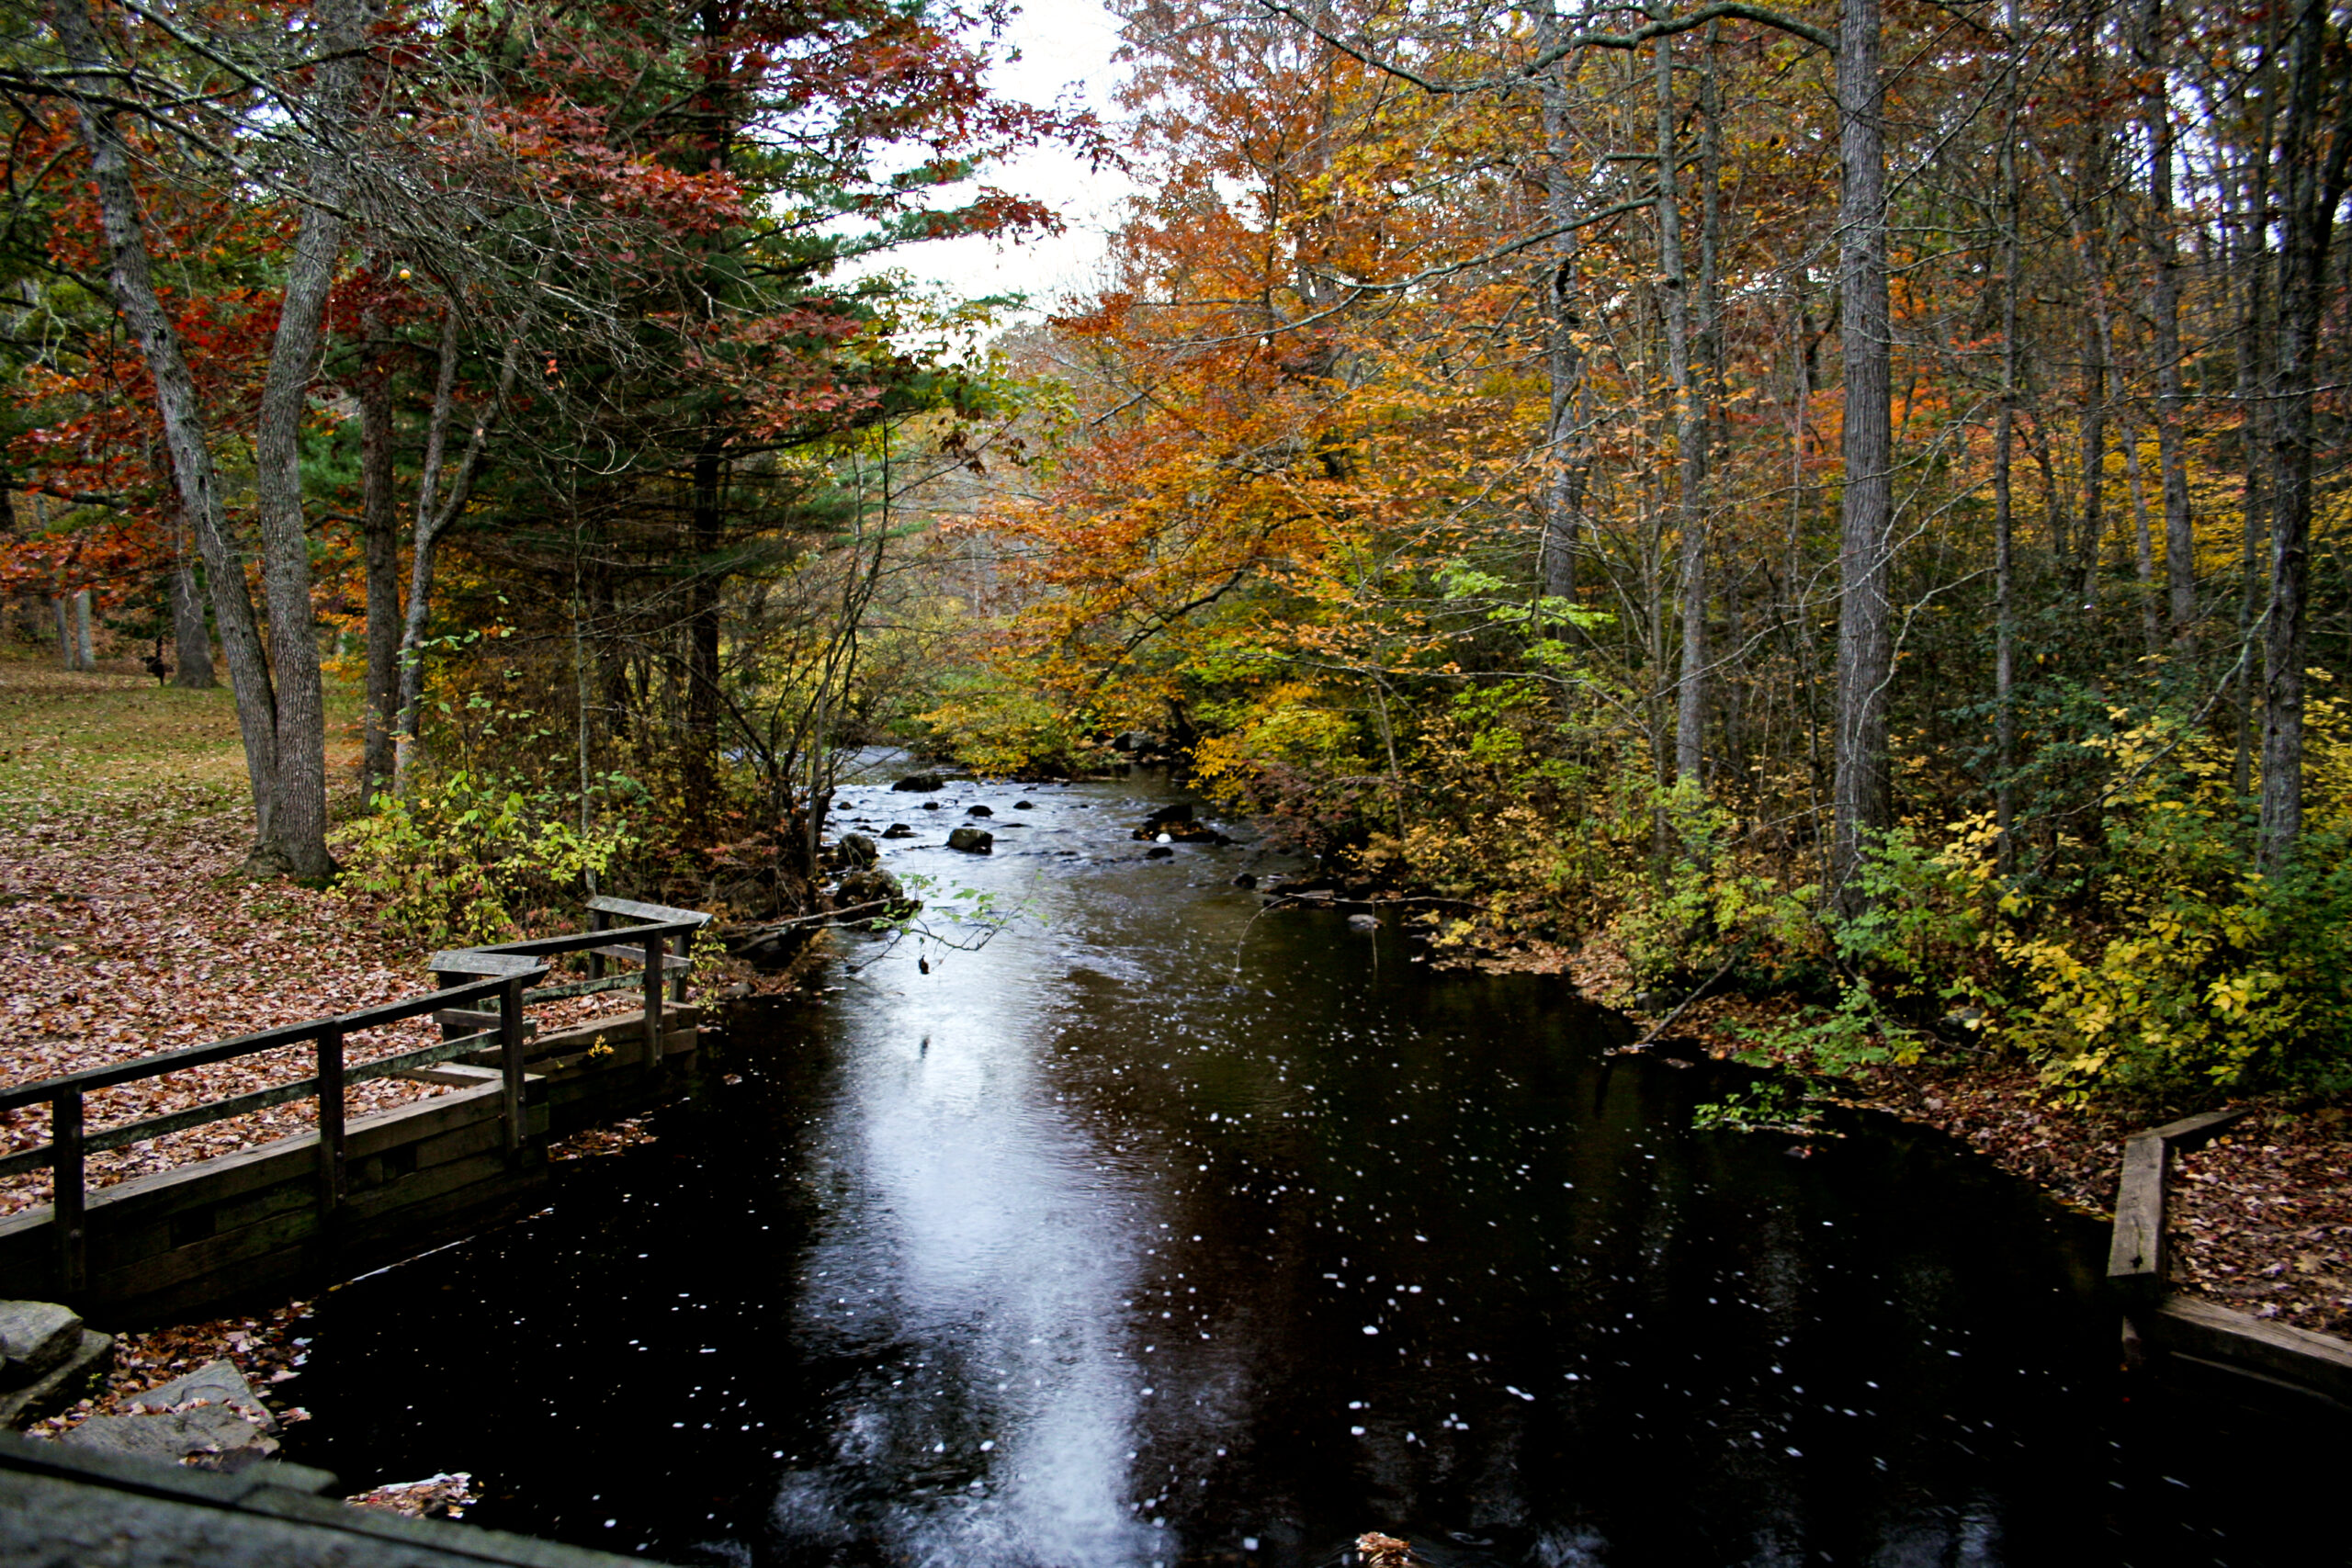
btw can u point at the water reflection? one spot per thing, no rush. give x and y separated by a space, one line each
1163 1231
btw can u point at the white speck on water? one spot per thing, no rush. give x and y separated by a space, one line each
1368 1328
1248 1542
987 1446
1355 1431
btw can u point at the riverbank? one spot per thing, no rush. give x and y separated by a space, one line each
126 929
2260 1220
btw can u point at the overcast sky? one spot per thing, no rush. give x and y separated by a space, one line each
1066 45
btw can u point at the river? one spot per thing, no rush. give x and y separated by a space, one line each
1163 1230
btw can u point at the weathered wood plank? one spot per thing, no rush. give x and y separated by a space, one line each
2191 1130
637 955
2190 1324
286 1159
416 1007
581 987
152 1067
479 961
630 908
2135 1258
454 1075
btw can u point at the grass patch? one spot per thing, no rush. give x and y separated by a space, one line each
71 741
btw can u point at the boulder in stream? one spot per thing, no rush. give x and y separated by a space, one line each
977 811
897 830
972 840
920 783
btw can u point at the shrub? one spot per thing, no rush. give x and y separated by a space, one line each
465 860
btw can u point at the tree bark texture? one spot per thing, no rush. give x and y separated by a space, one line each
1861 789
194 474
380 544
1691 540
191 638
2312 158
2163 256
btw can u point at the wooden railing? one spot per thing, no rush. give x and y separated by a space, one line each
500 973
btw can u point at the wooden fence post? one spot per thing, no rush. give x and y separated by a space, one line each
330 1115
653 978
67 1194
510 1059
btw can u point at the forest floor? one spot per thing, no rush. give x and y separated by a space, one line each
126 929
2259 1220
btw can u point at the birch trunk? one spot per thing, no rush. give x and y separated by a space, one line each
129 275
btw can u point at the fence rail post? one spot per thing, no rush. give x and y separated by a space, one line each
653 977
510 1059
332 1173
67 1194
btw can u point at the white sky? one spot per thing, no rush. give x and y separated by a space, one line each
1065 47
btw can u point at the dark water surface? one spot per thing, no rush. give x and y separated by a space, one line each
1164 1231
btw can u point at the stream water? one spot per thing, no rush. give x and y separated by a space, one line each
1163 1231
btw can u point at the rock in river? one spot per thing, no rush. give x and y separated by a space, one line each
971 840
920 784
977 811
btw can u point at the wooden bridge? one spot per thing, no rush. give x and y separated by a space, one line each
353 1191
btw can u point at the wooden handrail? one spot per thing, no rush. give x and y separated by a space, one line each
506 969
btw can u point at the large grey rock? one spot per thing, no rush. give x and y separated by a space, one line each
212 1437
78 1374
920 783
35 1339
857 849
972 840
215 1383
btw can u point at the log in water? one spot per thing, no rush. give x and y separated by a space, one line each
1167 1231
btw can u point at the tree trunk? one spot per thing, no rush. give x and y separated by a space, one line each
191 640
2005 631
1861 793
131 277
1562 490
2180 541
1689 699
299 847
2143 550
434 515
701 782
85 657
2312 165
379 542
